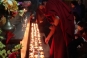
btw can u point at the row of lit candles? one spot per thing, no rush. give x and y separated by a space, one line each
36 50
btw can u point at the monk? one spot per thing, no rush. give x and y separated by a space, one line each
61 29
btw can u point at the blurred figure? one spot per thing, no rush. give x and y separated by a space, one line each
44 2
42 21
76 17
76 10
78 42
62 28
81 30
26 4
80 2
40 14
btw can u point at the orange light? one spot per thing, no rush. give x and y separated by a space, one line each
36 49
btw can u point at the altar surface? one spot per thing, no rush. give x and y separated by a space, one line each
32 35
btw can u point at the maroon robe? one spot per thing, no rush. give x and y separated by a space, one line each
64 32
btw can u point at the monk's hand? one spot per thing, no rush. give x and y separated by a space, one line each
46 40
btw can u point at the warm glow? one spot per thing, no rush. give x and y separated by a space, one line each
36 50
24 41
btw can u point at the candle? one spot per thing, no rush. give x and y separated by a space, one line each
31 45
40 48
35 42
35 56
41 56
39 42
36 47
32 24
31 56
38 34
42 53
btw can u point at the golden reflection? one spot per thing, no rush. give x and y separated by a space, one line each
36 50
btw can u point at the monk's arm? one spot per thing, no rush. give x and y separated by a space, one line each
53 27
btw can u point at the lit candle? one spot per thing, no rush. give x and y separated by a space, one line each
35 56
35 42
36 47
31 56
38 38
35 33
40 48
39 42
42 53
39 35
41 56
30 44
32 24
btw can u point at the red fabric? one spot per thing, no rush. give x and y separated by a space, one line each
64 32
9 36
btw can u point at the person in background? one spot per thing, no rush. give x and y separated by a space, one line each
80 2
76 20
44 2
76 17
80 39
42 20
62 28
81 31
76 9
40 16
